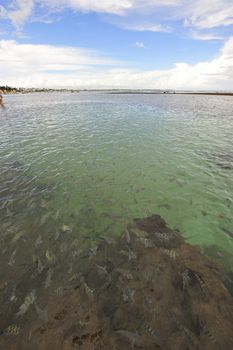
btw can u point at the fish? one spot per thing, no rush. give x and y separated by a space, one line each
57 234
17 236
12 258
44 219
127 236
40 266
44 204
48 278
125 273
70 268
148 243
165 206
88 291
152 332
202 284
28 301
102 270
92 251
63 247
42 314
227 232
139 233
185 331
38 240
130 254
75 243
147 302
209 335
59 291
74 277
3 286
162 236
185 279
169 252
50 256
13 329
134 338
66 228
13 297
128 293
56 215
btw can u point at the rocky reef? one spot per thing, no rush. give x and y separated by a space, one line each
147 289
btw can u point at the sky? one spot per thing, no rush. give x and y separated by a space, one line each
137 44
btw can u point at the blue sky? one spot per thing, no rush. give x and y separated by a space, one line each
176 44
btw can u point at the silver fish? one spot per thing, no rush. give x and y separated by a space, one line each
50 256
148 243
202 284
38 240
17 236
40 266
152 332
209 335
13 297
63 247
28 301
44 219
162 236
140 233
185 331
169 252
108 240
89 292
57 234
48 278
70 268
13 329
12 258
165 206
102 270
134 338
125 273
185 279
66 228
127 236
128 293
130 254
227 233
42 314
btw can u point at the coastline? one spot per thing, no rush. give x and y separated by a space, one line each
12 90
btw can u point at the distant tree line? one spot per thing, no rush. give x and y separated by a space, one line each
7 88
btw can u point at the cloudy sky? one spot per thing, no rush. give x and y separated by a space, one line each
167 44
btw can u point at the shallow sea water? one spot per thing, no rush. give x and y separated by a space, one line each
77 166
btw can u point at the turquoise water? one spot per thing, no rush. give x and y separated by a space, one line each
76 166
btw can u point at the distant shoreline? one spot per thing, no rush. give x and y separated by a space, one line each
171 93
10 90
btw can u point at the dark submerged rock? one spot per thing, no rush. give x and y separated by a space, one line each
167 295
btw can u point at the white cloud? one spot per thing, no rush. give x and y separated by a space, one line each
206 36
140 45
201 14
26 59
32 65
206 14
19 11
147 27
103 6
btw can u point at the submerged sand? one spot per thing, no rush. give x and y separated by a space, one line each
145 290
